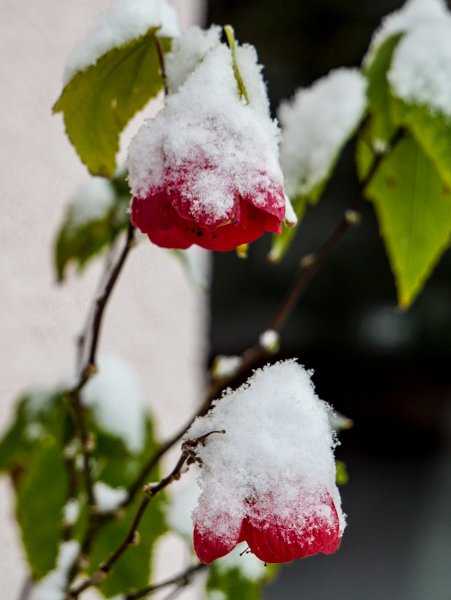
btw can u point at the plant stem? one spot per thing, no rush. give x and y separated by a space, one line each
131 537
180 580
162 62
89 366
26 589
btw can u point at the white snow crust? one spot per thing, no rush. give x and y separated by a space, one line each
316 124
117 399
91 201
108 498
421 68
206 122
277 451
413 14
188 51
123 21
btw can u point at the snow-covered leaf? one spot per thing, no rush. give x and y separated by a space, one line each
94 219
316 125
420 79
41 498
382 126
413 207
99 101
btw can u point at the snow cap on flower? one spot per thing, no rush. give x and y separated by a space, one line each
205 171
269 480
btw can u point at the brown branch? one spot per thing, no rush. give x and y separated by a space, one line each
89 366
26 589
130 539
181 580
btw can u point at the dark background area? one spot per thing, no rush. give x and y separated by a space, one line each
388 370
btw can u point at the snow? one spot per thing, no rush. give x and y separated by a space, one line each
316 124
226 366
291 219
183 500
413 14
91 201
239 142
52 586
269 340
123 21
108 498
117 400
277 437
71 511
421 67
216 595
188 51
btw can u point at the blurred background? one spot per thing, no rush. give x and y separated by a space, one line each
387 370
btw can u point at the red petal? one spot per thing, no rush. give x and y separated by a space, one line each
165 214
155 216
277 540
209 544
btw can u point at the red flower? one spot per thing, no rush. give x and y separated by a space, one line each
173 215
310 528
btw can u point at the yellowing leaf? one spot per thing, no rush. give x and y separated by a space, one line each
413 207
99 101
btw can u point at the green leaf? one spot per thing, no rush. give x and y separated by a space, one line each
233 583
35 420
413 207
41 498
15 445
134 569
379 95
99 101
80 243
431 129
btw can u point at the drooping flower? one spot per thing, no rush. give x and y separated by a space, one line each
269 480
206 171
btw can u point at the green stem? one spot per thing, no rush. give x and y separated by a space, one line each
231 41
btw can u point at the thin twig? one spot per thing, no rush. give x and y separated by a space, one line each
162 62
26 589
89 365
130 539
181 580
